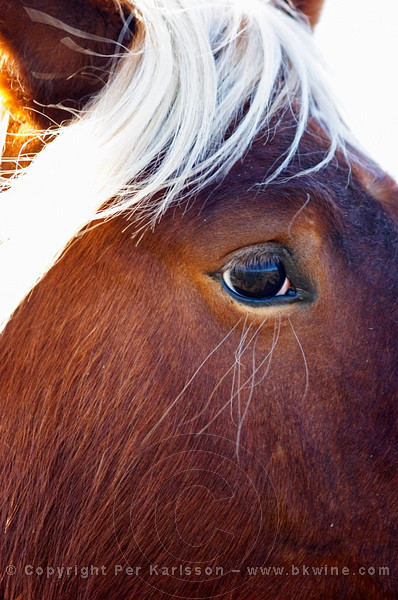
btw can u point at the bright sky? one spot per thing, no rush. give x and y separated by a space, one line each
359 41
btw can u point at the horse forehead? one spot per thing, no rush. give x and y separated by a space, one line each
235 215
241 197
245 180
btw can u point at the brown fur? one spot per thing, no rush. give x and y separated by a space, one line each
41 78
41 70
311 8
100 465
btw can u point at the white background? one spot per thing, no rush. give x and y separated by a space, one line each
359 42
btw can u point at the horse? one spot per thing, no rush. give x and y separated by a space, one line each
198 309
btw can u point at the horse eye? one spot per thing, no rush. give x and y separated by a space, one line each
261 280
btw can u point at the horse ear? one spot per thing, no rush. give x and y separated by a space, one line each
310 8
56 52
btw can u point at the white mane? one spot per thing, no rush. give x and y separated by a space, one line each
198 69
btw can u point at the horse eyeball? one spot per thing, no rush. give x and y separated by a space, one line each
259 281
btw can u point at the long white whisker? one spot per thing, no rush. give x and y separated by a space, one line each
245 383
275 339
307 376
297 213
239 431
237 366
232 367
172 405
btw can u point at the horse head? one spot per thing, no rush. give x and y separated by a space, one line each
198 299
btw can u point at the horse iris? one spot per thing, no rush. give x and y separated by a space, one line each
258 281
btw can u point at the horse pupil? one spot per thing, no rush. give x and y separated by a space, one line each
258 281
